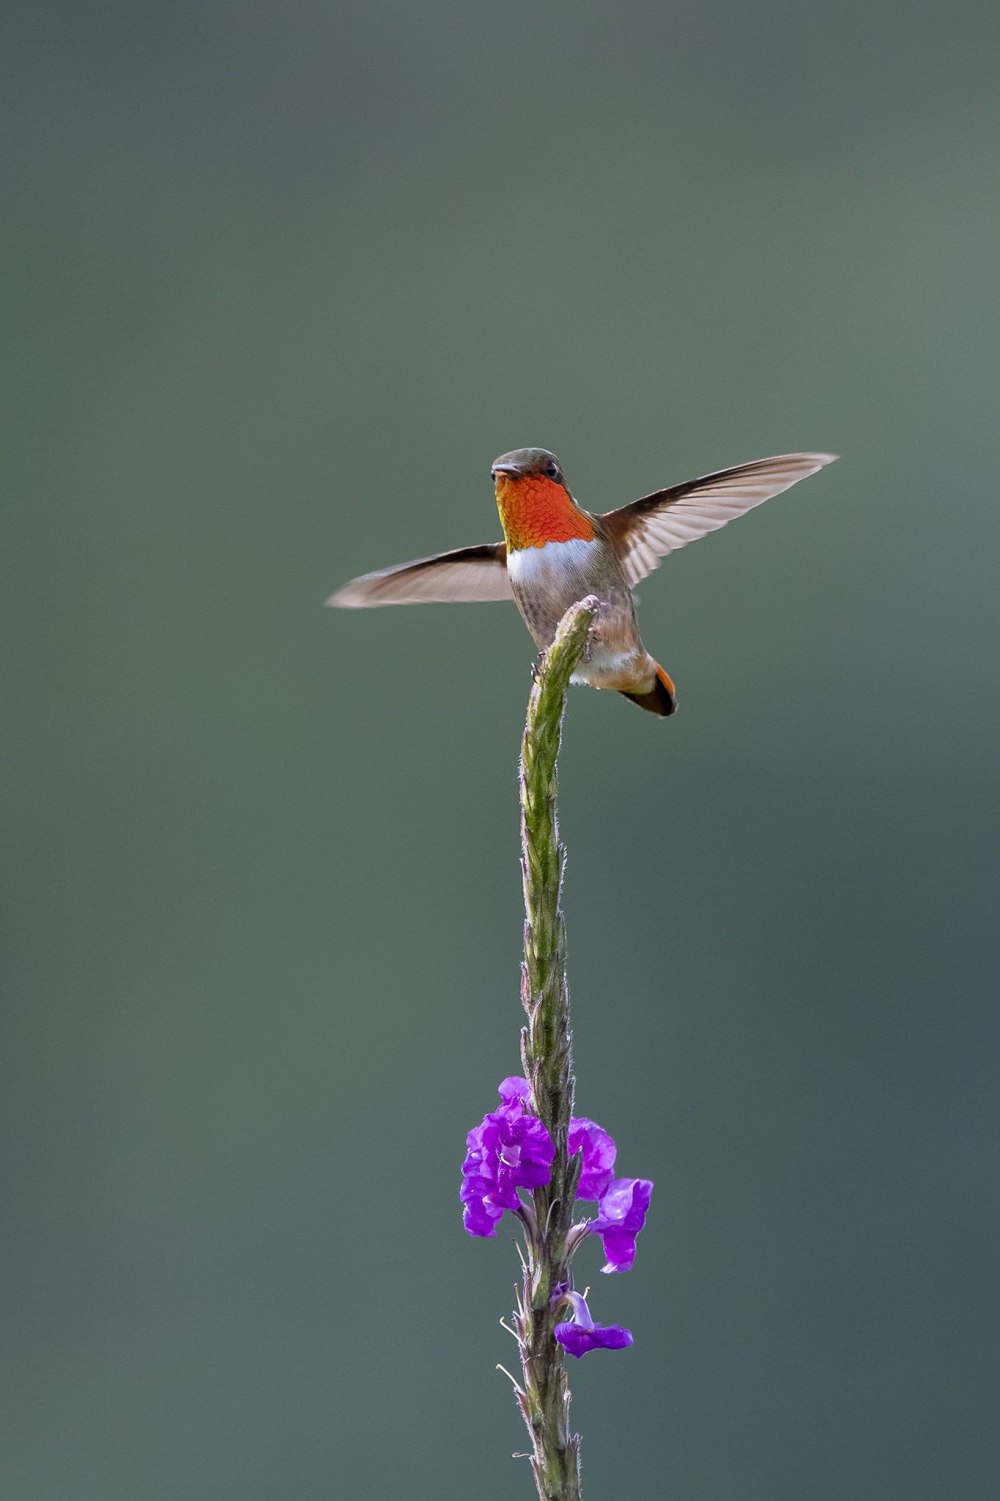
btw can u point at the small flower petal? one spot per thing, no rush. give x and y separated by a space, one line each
621 1215
577 1341
599 1153
515 1091
480 1217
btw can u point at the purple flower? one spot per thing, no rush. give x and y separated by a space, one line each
515 1091
621 1214
582 1334
510 1150
598 1157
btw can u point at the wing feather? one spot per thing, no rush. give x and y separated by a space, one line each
648 529
468 573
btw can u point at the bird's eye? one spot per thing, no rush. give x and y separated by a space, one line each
493 475
552 469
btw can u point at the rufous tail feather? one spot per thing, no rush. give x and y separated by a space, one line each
661 698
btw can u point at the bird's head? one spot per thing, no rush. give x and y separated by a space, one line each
527 463
533 499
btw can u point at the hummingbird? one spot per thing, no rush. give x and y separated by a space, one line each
555 553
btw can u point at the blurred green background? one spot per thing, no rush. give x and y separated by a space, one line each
282 281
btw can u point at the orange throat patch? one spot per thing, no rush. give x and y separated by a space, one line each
535 509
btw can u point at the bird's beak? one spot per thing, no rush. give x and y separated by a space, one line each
505 469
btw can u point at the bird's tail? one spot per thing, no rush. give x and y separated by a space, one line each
661 698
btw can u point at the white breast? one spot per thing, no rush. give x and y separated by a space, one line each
547 580
546 565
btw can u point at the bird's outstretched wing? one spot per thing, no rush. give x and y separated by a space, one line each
469 573
648 529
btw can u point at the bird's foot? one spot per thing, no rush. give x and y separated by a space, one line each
596 634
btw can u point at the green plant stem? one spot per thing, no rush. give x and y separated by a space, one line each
546 1050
